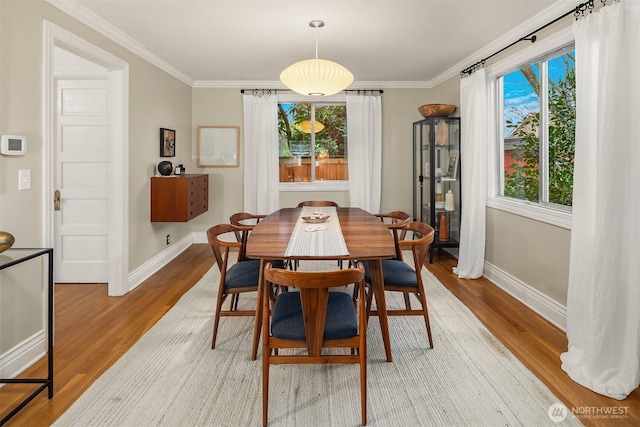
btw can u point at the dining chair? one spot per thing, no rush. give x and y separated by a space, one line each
396 221
317 203
401 277
313 319
245 221
235 277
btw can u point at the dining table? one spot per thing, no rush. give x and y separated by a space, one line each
366 238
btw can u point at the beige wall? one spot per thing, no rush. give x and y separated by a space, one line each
399 111
155 100
534 252
21 211
22 298
218 107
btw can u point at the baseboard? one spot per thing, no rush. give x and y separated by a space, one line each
19 358
537 301
200 237
142 273
25 354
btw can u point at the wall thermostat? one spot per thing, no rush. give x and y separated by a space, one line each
13 145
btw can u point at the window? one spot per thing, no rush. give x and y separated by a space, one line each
536 120
312 142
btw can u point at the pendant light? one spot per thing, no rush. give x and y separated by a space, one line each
316 77
305 126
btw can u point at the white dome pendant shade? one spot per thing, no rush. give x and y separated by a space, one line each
316 77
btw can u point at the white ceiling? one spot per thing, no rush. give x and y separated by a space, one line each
391 43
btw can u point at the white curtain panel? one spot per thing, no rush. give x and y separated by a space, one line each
364 130
474 168
261 174
604 292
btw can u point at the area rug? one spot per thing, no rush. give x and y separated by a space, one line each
172 377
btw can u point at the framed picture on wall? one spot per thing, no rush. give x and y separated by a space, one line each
167 142
219 146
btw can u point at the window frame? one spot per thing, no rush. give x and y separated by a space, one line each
324 185
546 212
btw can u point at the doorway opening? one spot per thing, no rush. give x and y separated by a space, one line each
116 153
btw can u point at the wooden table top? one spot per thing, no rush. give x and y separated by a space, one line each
365 235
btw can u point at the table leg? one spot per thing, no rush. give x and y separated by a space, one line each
257 327
377 284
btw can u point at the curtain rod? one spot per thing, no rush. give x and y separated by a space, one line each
364 90
576 11
288 90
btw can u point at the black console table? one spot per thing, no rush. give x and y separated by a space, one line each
8 259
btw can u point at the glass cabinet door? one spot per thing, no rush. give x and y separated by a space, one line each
437 178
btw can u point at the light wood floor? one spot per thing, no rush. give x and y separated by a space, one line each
93 330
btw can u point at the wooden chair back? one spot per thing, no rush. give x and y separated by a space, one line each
220 247
419 246
245 221
396 221
317 203
314 289
314 292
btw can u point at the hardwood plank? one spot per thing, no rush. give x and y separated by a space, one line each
533 340
94 330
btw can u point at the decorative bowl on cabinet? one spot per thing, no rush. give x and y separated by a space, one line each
436 110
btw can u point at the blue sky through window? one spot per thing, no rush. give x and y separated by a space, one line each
519 97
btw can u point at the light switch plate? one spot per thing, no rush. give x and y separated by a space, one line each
24 179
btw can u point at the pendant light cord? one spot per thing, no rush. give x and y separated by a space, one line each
316 23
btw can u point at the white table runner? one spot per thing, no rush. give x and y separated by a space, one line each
324 239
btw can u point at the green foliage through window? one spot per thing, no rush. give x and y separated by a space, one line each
330 141
522 125
312 154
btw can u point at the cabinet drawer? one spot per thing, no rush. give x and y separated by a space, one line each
179 198
198 196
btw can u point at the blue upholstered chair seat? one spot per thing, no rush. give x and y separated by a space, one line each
243 274
287 321
396 273
276 263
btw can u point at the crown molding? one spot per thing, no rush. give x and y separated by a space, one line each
84 15
276 84
238 84
552 12
72 8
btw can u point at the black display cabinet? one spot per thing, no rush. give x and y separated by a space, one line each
436 179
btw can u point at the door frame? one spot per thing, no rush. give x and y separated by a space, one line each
118 77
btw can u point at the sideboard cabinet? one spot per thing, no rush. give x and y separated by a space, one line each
179 198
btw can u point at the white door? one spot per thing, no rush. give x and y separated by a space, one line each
82 181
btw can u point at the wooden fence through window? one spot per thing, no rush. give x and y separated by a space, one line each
334 169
